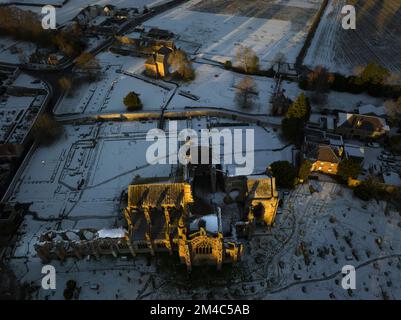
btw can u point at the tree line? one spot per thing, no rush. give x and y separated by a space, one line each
26 26
373 78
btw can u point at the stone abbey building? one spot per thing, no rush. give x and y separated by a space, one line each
159 220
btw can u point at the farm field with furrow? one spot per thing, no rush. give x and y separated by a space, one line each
377 37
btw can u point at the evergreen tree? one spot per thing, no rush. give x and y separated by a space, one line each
285 174
364 192
374 74
292 129
46 129
349 168
132 101
304 170
300 109
295 119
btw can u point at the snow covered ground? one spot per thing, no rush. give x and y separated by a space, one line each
217 87
213 87
376 38
84 173
107 94
334 228
78 181
17 113
220 28
348 102
72 7
15 52
105 157
339 230
27 81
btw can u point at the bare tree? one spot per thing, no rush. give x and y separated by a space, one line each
320 81
65 83
21 56
280 104
247 59
68 84
246 93
279 60
46 129
87 61
393 109
181 65
88 64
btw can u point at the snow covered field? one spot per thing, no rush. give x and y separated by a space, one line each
377 37
15 52
213 87
216 87
104 158
84 173
220 27
17 113
107 94
72 7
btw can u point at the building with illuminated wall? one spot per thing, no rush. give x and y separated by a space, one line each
158 220
324 150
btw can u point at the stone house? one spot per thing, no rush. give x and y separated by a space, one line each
361 127
157 64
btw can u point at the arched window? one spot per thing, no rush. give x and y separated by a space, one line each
203 248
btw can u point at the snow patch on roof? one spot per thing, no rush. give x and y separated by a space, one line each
392 178
371 109
211 221
355 151
111 233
